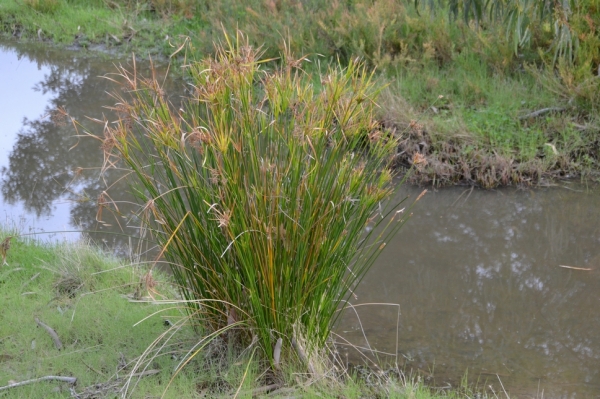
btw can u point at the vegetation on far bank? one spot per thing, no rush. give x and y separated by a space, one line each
495 96
107 313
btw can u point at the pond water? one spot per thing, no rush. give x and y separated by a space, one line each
477 274
49 176
480 285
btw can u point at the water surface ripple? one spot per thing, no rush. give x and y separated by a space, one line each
478 279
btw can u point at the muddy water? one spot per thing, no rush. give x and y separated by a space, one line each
49 174
476 274
478 279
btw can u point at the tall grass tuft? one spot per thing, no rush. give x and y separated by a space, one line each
265 192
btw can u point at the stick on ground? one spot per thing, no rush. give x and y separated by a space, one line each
542 111
70 380
52 333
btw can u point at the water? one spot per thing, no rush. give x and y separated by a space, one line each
475 273
50 178
478 279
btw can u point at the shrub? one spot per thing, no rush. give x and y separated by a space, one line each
259 188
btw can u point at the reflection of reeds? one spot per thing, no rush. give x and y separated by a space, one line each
261 188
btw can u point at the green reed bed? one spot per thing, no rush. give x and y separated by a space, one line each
259 189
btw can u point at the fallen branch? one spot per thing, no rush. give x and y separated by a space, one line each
52 333
70 380
542 111
576 268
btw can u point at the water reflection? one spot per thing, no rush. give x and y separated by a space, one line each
480 288
39 167
49 171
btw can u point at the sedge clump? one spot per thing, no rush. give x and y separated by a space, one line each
259 188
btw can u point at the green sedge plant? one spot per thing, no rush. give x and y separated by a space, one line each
267 189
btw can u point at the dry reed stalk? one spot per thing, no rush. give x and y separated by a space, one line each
576 268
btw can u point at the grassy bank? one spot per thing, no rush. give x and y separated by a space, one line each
478 109
87 297
100 310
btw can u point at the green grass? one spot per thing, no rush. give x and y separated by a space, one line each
83 24
79 292
478 131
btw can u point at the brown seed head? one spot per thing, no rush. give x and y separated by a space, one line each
418 159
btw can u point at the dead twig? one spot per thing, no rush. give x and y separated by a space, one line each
70 380
93 369
542 111
145 373
102 390
267 389
585 127
52 333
